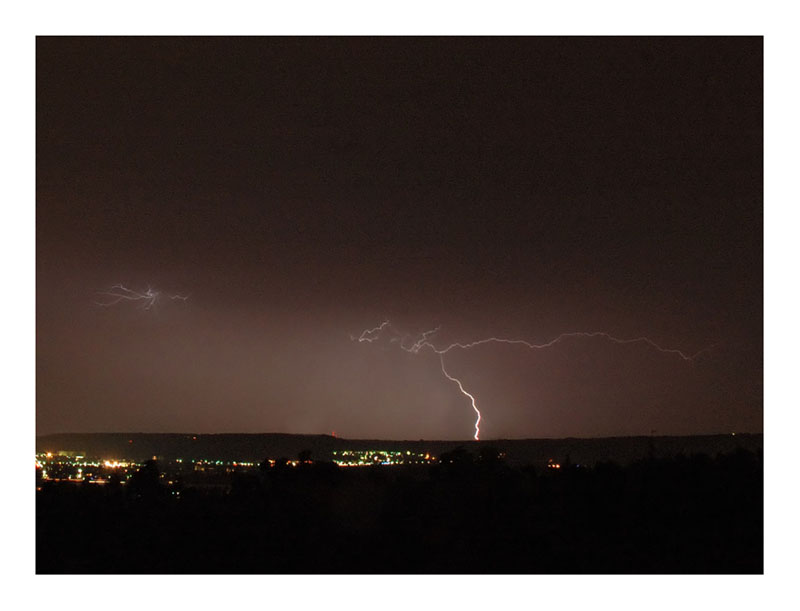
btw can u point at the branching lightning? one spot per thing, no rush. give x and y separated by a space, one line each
119 293
423 341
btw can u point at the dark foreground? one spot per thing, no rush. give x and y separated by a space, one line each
696 514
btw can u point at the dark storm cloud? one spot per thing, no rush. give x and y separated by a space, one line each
303 190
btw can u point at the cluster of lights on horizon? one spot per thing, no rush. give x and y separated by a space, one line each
423 341
362 458
74 466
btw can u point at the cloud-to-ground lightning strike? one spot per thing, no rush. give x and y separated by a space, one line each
471 398
374 334
119 293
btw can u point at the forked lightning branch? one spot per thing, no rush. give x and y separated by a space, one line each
423 341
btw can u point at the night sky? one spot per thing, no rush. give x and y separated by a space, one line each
301 190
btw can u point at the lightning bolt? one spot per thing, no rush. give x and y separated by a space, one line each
370 335
119 293
471 398
561 338
374 334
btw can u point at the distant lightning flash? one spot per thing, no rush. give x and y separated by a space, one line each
374 334
118 293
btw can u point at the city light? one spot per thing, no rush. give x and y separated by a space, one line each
363 458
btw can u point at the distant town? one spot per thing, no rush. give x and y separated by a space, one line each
210 461
72 466
203 503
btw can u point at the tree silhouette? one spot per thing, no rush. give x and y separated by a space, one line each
490 454
457 456
145 482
